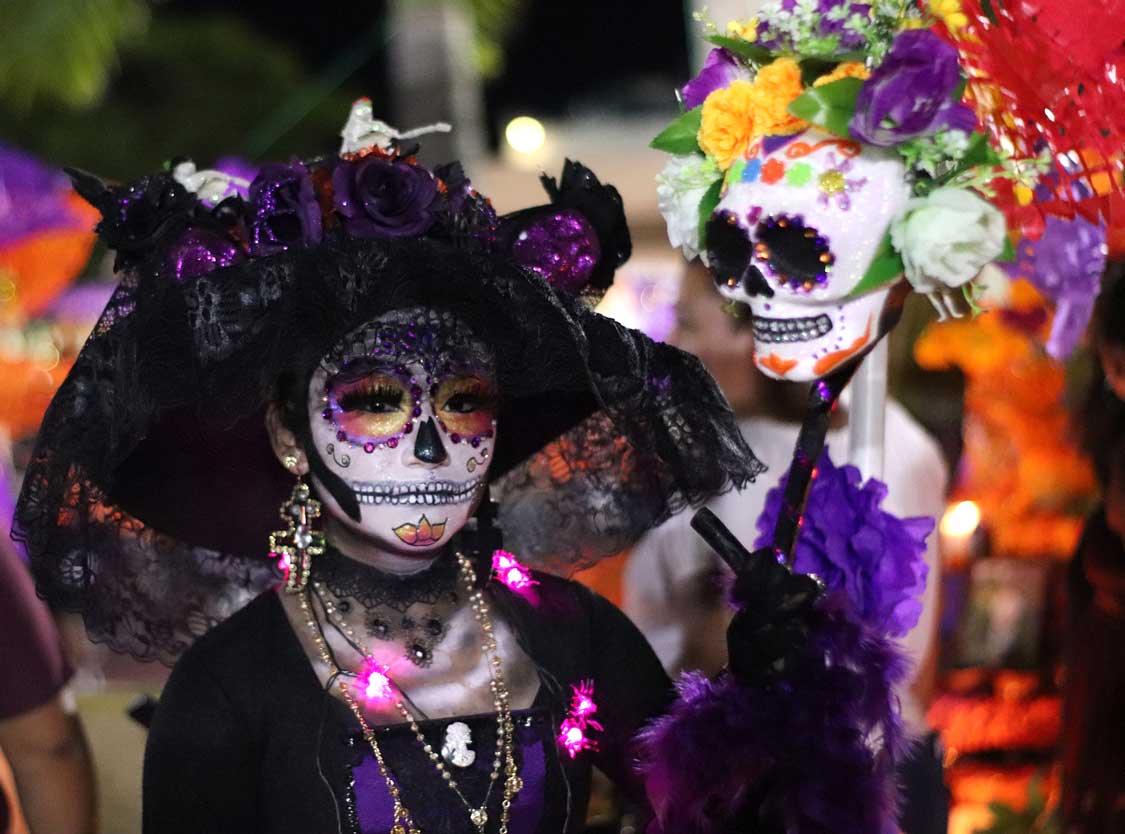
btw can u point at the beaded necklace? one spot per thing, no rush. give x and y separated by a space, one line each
504 758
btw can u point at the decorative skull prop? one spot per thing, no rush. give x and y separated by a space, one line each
801 220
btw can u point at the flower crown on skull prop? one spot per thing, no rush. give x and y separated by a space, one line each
185 222
824 152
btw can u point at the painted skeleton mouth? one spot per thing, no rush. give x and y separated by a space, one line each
428 493
791 330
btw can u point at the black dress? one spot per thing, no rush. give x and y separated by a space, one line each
246 740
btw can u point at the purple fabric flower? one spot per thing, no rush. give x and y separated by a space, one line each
384 198
284 211
236 166
1066 265
199 251
719 70
853 545
910 93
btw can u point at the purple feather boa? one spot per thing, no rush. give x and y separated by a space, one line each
814 753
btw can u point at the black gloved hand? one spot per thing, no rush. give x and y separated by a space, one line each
774 605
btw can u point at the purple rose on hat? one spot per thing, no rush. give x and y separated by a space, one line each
911 93
855 546
384 198
284 211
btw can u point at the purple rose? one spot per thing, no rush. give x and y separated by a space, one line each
911 93
284 211
719 70
853 546
383 198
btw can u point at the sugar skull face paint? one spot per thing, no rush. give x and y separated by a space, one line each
408 404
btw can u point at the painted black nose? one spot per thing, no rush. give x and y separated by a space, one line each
428 447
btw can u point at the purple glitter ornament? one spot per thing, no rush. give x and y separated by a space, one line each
198 252
561 246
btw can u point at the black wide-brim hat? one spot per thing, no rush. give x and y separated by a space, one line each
153 488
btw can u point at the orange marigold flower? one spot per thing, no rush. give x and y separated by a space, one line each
848 69
728 123
776 86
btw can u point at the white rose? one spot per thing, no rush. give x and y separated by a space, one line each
947 237
679 190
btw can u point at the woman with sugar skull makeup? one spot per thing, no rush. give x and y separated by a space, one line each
363 343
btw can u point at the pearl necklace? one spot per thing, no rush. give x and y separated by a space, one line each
504 758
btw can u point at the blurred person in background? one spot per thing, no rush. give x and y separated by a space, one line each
39 731
1094 711
674 583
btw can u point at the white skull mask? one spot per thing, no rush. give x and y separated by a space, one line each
800 222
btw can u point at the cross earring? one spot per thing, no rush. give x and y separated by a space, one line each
295 546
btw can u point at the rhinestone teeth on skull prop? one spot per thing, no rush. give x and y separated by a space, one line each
403 411
799 223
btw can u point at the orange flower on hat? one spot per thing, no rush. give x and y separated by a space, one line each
728 123
776 86
848 69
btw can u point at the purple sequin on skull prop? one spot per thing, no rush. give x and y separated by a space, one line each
562 247
199 252
796 255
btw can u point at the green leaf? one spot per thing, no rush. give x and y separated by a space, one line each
830 106
707 207
1008 255
885 267
743 49
682 136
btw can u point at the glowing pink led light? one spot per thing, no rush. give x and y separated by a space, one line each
574 729
509 571
572 737
283 564
376 683
582 700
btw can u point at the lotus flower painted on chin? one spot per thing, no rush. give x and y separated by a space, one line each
422 534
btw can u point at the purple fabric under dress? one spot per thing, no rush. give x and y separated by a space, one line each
443 811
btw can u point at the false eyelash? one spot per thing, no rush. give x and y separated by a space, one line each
362 398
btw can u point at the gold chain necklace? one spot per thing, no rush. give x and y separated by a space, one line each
505 758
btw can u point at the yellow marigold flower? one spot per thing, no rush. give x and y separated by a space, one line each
776 86
848 69
727 125
950 12
747 30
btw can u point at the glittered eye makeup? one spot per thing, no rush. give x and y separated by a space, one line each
465 408
379 409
